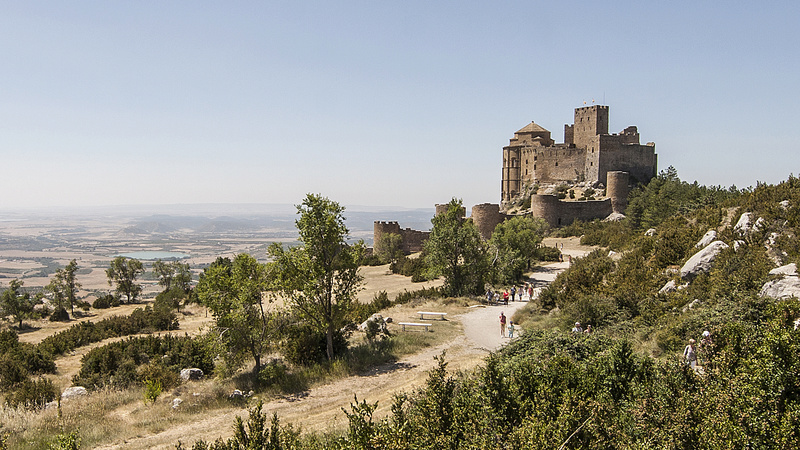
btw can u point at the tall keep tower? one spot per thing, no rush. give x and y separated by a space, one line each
590 121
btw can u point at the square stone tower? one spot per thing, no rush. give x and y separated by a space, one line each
590 121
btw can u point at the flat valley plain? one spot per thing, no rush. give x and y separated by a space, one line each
36 243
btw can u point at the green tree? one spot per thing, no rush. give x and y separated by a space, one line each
456 251
123 271
15 303
234 292
173 274
319 278
516 243
389 247
64 287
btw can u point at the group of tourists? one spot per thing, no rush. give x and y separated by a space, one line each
515 294
691 352
503 327
578 329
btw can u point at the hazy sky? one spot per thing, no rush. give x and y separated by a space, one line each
399 103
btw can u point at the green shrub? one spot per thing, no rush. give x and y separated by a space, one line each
105 301
32 394
273 372
152 390
60 314
304 345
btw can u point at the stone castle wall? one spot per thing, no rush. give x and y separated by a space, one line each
412 239
558 213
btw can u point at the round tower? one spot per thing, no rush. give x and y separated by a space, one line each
441 208
545 207
380 229
486 217
617 190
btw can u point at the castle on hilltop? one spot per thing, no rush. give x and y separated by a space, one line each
587 154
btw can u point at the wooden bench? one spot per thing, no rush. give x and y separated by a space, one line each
413 324
423 313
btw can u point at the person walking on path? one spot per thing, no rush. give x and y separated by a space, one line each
502 324
690 355
513 292
505 296
510 329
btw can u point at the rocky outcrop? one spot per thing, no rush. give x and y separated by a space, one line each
191 374
785 287
614 217
747 224
703 260
650 232
707 239
74 392
789 269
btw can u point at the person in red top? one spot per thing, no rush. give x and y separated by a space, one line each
505 296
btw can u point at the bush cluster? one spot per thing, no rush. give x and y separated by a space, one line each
18 361
85 333
411 267
119 364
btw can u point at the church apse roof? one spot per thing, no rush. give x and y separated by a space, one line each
532 127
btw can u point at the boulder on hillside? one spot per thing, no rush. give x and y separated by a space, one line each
707 239
650 232
747 224
191 374
703 260
614 217
789 269
74 392
784 205
785 287
376 318
671 286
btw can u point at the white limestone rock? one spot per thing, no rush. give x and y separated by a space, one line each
737 244
692 305
650 232
747 224
191 374
614 217
789 269
176 402
784 205
788 286
74 392
702 260
377 318
671 286
707 239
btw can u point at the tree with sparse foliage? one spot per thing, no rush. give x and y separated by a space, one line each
456 251
514 246
64 287
16 303
389 247
234 292
319 278
172 274
124 271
